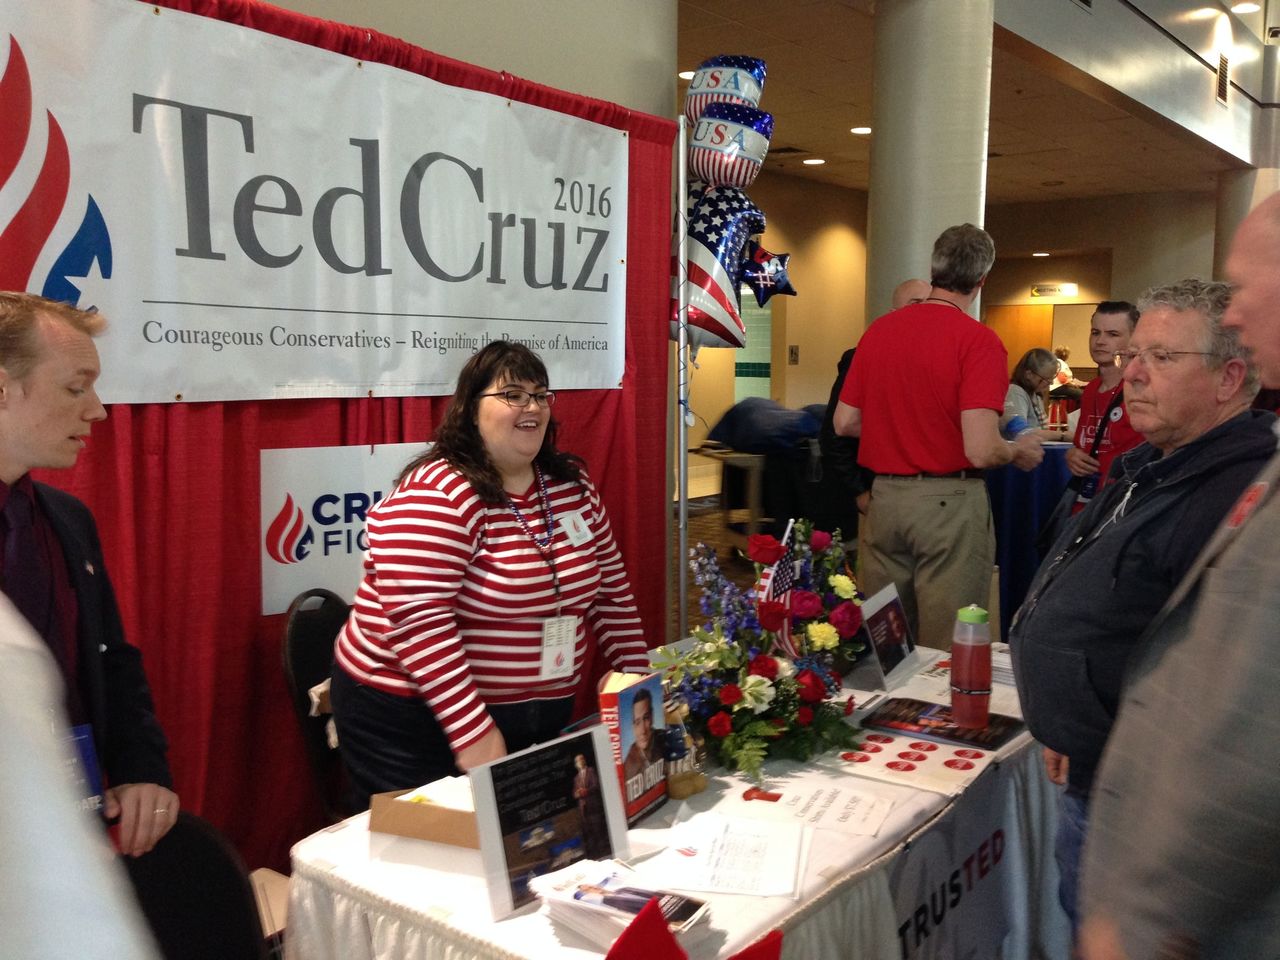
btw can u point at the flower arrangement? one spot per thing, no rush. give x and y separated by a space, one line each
761 680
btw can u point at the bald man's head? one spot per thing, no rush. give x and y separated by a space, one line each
910 291
1255 300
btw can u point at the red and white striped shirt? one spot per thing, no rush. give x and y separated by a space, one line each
455 593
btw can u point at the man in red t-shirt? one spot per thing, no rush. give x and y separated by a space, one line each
1102 406
925 394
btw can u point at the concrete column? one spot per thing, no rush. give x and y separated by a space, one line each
1239 191
930 107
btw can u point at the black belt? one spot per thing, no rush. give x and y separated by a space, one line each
954 475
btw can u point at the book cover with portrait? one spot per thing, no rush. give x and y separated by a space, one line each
631 709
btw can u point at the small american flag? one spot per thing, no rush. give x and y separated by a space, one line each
776 584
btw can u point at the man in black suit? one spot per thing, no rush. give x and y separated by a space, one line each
52 566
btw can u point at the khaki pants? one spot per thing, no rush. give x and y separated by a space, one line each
934 539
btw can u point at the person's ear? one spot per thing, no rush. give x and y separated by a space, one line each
1231 377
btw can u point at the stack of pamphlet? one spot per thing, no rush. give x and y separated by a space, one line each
1001 664
599 899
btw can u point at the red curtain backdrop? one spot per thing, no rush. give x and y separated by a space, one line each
174 487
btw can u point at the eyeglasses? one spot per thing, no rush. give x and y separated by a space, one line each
520 398
1156 357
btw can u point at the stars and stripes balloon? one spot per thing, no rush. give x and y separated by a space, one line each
722 221
726 150
726 78
729 144
766 273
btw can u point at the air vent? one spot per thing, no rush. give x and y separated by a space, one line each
1224 77
776 152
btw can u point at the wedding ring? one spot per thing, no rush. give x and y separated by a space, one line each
160 811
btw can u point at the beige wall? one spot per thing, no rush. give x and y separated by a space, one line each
824 228
622 52
1153 238
1012 277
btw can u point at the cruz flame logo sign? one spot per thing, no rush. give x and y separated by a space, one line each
27 234
289 536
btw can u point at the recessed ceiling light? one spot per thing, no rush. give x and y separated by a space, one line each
860 131
1248 7
1039 253
813 162
685 74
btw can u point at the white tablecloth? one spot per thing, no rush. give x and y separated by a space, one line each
966 877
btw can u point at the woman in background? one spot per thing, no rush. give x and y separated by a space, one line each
1024 402
467 637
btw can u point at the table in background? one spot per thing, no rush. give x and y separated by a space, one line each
947 877
1021 502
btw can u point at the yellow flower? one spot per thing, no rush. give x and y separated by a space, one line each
823 636
842 585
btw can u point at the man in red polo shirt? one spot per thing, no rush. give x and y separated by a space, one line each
925 395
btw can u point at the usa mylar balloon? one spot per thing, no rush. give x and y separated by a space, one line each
766 273
723 220
726 78
729 144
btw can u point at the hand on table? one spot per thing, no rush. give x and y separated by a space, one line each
1080 463
1055 765
489 747
147 811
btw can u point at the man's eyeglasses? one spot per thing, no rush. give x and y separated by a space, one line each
520 398
1156 356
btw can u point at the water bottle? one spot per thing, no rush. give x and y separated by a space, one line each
970 668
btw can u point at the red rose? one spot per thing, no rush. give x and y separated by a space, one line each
812 689
730 694
804 716
720 725
848 707
778 722
819 540
763 666
762 548
805 604
772 614
847 619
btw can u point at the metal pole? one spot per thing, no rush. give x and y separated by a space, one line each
682 368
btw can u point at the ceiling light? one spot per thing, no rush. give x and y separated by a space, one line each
813 162
685 74
1039 253
860 131
1246 7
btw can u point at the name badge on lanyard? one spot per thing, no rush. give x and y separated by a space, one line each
576 528
559 637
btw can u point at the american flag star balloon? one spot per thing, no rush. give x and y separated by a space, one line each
722 220
729 144
766 273
726 78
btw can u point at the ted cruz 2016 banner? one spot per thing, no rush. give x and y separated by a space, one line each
259 218
314 504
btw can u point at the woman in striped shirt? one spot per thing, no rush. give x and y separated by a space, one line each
467 637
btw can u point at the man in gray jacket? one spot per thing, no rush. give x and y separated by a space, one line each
1188 389
1183 858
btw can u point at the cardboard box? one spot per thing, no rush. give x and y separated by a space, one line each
423 821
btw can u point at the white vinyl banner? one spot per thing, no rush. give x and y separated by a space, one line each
260 218
314 504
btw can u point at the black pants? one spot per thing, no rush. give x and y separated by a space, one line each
395 743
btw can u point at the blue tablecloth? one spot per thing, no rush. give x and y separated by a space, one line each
1021 502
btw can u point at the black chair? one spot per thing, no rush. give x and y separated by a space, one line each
314 619
196 895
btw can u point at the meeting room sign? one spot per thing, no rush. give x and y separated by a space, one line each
259 218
